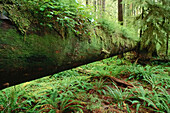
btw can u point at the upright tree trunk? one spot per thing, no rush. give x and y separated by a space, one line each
98 5
103 5
99 11
94 4
167 35
140 34
167 43
120 12
120 19
87 2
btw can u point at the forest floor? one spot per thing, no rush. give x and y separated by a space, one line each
108 86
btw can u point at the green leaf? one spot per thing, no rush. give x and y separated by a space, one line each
137 107
42 8
50 16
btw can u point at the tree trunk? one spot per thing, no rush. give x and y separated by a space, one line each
103 5
167 34
167 43
140 35
87 2
94 4
120 19
98 5
39 56
120 12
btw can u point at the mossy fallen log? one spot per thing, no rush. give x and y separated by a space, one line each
28 57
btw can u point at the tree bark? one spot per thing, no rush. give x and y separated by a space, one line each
39 56
120 12
103 5
87 2
167 43
167 34
94 4
120 19
140 34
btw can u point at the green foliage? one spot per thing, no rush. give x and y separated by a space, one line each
48 14
68 73
159 101
118 95
62 91
161 63
139 72
112 27
75 91
156 81
95 102
11 100
154 22
59 102
99 86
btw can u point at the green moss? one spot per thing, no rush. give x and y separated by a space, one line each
16 52
52 49
49 49
110 27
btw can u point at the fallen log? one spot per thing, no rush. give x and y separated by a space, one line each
28 57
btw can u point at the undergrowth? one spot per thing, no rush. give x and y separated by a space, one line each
38 15
93 88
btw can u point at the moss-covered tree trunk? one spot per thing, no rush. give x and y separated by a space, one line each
41 55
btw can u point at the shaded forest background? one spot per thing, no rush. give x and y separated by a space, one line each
149 18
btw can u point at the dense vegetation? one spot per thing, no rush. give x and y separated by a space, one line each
149 18
33 15
137 83
94 88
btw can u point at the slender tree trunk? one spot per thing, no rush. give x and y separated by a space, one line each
167 43
120 19
95 8
99 11
124 13
103 5
140 34
94 4
98 5
120 12
131 8
87 2
142 19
